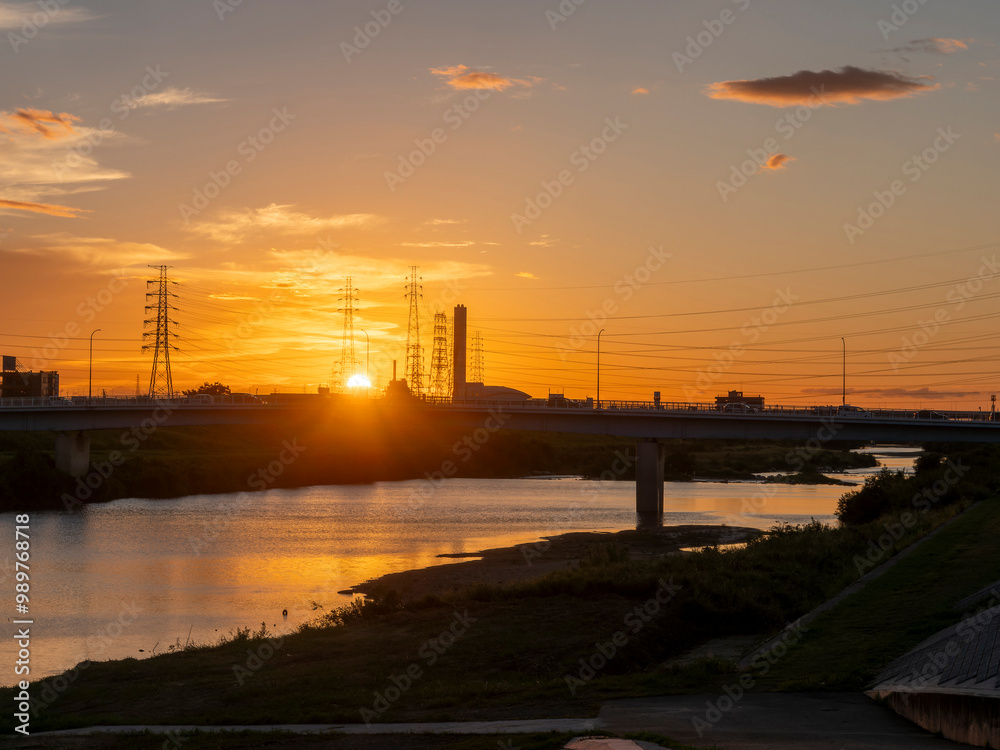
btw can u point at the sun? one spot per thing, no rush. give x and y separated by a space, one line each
359 381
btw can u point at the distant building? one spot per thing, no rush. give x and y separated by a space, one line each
737 397
16 382
480 392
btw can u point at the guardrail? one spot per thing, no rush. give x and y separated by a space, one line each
562 404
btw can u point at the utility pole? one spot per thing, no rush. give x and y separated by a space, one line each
160 380
440 361
478 374
414 373
347 359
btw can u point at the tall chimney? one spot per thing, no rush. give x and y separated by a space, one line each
458 347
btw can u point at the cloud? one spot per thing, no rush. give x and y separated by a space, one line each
51 209
936 45
37 121
462 77
42 155
234 225
171 98
459 243
777 162
17 15
640 90
440 222
526 275
849 85
914 394
97 252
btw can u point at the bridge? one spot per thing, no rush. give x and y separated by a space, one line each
647 423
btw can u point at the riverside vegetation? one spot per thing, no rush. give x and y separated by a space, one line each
179 461
561 644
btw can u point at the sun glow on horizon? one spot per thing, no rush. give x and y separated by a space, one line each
359 381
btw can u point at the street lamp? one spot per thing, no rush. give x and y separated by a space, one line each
368 352
845 370
90 378
599 368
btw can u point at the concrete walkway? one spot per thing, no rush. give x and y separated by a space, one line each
443 727
766 721
758 721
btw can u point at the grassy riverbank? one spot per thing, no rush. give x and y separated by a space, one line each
555 646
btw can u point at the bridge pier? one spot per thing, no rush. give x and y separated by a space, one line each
73 454
649 464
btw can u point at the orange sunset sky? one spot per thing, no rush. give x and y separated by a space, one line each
728 188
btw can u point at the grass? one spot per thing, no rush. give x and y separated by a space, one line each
517 645
894 613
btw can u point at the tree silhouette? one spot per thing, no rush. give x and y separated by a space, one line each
211 389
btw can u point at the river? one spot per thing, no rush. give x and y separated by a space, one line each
135 576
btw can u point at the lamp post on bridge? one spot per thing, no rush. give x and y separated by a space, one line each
599 368
368 351
90 375
845 370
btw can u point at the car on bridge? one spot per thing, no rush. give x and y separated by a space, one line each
738 408
928 414
846 410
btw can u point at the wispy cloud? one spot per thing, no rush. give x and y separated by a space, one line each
458 243
640 90
14 16
43 155
777 162
96 252
526 275
936 45
51 209
38 122
171 98
849 85
234 225
462 77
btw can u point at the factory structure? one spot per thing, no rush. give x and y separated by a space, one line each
17 382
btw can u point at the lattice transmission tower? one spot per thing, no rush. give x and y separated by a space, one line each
348 362
414 373
441 379
161 382
477 371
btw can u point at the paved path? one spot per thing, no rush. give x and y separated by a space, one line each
766 721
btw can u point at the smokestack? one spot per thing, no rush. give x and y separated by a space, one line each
458 347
